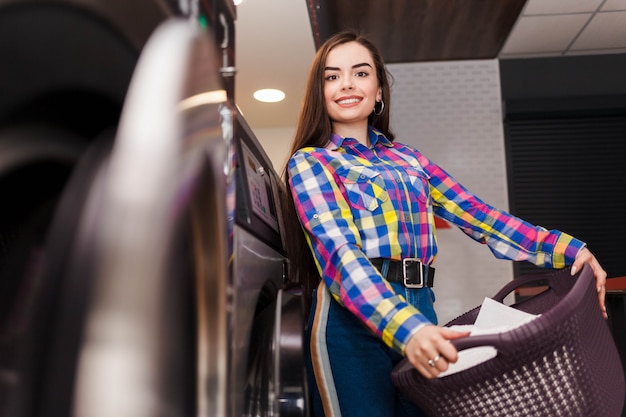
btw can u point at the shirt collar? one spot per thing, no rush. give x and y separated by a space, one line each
375 136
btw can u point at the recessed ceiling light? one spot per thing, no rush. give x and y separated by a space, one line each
269 95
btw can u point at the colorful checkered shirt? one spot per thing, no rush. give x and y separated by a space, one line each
357 203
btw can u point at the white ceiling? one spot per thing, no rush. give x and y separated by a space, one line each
568 27
274 46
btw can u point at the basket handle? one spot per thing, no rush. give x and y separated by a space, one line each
559 281
526 280
495 340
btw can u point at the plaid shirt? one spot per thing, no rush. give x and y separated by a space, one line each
356 203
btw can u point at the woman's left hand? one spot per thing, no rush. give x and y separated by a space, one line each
585 255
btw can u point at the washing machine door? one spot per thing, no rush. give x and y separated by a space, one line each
136 322
155 341
276 384
291 388
51 174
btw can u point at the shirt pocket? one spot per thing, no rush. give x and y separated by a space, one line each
365 188
419 182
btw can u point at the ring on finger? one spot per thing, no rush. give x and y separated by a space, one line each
433 362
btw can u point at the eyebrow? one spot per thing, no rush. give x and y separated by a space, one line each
363 64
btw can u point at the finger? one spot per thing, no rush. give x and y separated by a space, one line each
447 349
577 265
581 257
419 358
452 334
433 365
598 272
441 364
426 371
600 275
449 352
602 301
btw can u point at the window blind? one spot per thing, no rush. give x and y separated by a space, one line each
567 171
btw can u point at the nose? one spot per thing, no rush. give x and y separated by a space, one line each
347 84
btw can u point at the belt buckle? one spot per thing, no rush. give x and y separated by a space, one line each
405 280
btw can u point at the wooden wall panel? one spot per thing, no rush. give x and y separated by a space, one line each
420 30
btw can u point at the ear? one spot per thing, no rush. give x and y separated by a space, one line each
379 94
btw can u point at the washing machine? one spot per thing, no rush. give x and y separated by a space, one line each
158 289
268 320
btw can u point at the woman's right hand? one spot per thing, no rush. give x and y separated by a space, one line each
429 350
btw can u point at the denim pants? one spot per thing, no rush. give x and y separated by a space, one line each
350 367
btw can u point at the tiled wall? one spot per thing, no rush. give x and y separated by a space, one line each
451 112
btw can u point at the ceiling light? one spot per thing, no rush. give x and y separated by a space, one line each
238 2
269 95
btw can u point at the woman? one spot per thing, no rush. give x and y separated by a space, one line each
366 205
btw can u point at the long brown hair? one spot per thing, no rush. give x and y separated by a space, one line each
314 129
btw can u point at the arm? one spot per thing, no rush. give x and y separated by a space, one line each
507 236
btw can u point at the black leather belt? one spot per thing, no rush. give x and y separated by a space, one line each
410 272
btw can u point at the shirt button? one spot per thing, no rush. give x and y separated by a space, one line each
316 216
362 176
407 217
398 180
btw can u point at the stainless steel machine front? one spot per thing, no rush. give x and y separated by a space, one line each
156 286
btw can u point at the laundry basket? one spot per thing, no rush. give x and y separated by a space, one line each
563 363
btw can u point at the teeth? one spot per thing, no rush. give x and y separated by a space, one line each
349 101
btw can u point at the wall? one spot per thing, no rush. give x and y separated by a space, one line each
451 112
276 142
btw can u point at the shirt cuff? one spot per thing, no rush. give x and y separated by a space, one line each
566 249
404 325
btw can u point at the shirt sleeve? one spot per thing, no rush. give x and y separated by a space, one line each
335 241
507 236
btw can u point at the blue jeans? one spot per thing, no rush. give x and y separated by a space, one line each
359 363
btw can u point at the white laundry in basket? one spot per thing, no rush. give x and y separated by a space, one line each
493 317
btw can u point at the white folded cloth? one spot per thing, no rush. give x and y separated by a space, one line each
493 317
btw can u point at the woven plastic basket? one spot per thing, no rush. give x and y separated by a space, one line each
563 363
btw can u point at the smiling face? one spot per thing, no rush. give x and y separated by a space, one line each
351 88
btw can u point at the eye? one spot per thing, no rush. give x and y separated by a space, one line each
331 77
362 74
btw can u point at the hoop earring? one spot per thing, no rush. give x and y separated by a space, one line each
382 107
